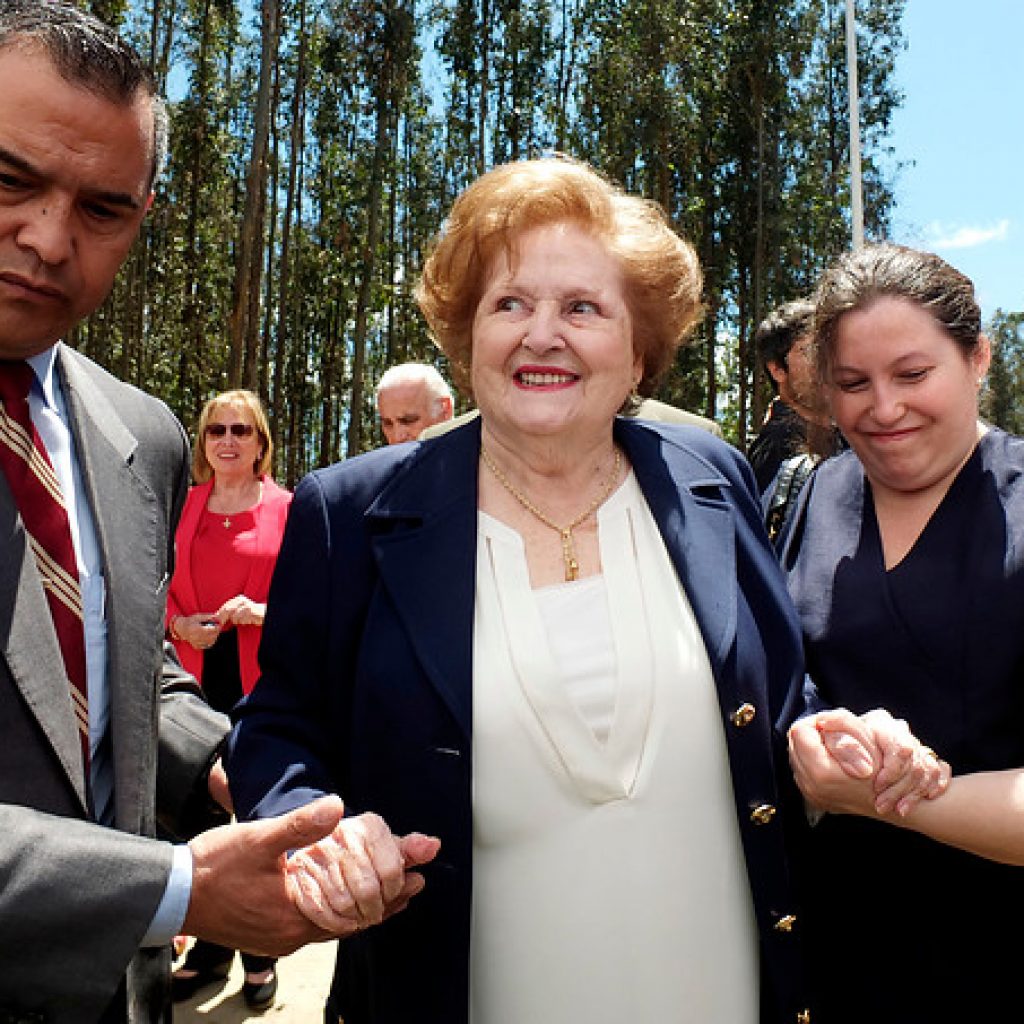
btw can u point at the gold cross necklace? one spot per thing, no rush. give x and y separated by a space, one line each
572 565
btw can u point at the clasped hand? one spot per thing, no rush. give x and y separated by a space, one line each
358 875
871 765
202 628
272 886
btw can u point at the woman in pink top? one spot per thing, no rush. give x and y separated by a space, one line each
227 543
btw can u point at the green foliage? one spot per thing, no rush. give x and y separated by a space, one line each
1000 400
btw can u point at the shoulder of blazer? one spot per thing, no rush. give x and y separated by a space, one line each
276 499
195 502
139 430
1002 455
273 492
140 413
413 481
690 456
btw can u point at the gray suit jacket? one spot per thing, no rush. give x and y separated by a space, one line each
76 898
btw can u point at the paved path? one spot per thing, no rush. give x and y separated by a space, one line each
304 979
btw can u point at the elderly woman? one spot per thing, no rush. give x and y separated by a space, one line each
226 547
906 561
554 638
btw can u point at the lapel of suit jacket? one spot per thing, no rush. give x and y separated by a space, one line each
697 525
131 532
425 529
30 647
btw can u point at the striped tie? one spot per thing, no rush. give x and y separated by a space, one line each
38 496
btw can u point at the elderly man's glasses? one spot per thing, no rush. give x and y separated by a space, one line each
237 429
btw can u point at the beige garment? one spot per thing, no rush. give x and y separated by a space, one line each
609 882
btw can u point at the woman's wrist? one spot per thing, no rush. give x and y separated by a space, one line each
172 628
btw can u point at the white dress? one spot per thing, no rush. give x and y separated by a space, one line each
608 877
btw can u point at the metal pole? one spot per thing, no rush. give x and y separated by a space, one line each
856 189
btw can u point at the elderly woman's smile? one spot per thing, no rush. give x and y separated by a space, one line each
530 377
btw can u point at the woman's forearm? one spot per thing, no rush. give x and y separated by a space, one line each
982 813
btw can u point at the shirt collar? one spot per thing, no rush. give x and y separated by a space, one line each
43 365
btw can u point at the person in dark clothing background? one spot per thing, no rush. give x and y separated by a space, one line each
784 347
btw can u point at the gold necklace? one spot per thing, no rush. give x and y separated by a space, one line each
572 565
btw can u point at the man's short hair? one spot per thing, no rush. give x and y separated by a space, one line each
416 373
781 329
88 53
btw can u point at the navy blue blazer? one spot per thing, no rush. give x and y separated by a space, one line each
367 684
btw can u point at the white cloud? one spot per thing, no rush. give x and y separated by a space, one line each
945 236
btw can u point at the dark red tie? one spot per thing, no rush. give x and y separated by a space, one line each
38 496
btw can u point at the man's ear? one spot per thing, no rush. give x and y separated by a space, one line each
149 201
446 408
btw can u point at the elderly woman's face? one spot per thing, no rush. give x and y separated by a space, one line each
905 395
552 338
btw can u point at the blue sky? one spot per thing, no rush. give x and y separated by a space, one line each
962 127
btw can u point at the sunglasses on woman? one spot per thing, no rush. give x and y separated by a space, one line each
237 429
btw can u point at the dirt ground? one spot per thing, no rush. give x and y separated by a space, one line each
304 979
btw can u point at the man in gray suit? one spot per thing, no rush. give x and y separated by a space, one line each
88 900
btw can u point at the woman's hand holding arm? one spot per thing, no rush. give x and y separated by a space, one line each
982 813
837 776
839 758
909 770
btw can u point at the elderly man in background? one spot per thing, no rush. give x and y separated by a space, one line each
410 398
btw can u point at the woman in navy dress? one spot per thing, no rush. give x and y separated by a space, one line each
906 562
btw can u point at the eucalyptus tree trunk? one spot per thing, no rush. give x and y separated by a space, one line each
191 319
244 320
292 214
368 271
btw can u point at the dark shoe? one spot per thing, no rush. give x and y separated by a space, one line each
186 988
260 996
